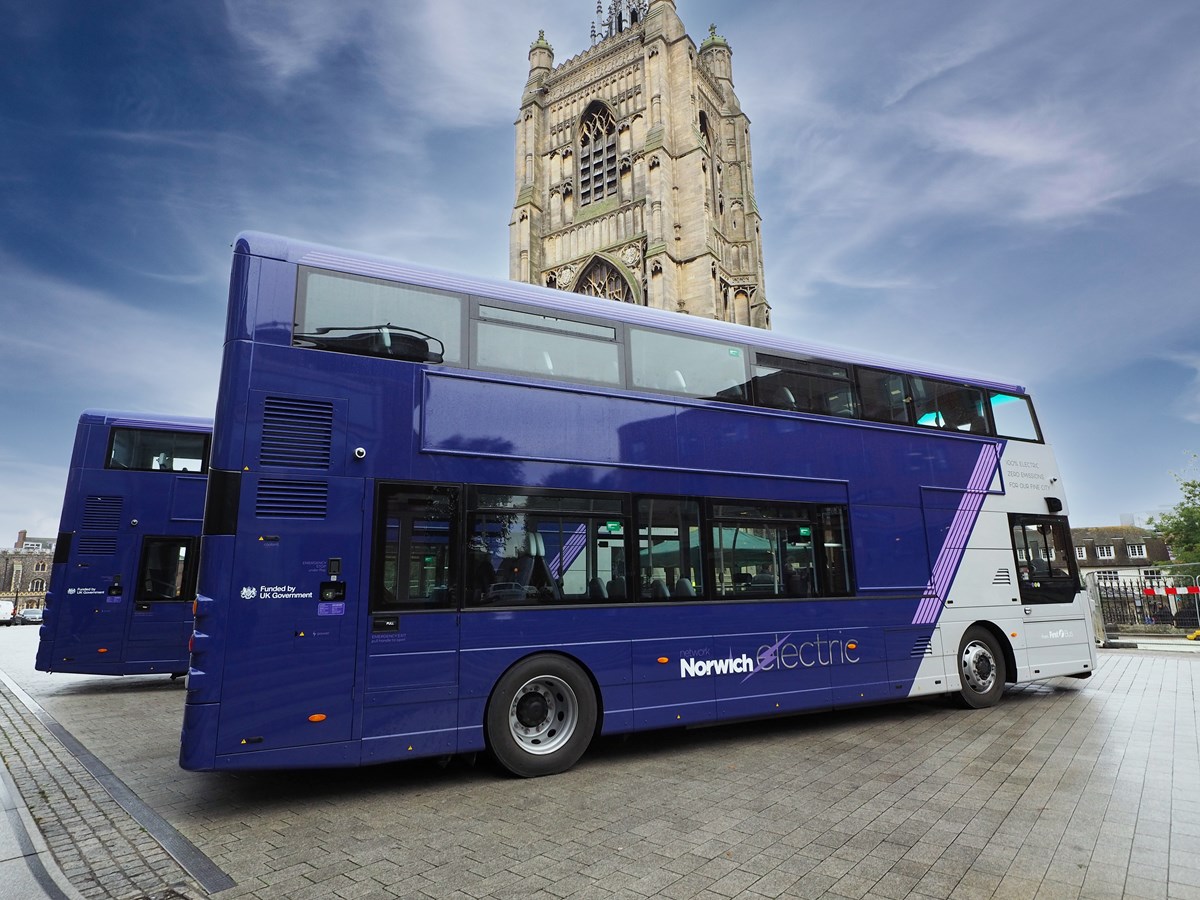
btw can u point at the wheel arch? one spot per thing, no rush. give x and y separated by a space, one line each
569 657
1006 647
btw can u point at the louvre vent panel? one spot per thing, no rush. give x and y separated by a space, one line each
1003 576
102 513
922 647
97 546
297 433
291 500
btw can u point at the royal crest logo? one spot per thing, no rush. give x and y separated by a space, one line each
249 593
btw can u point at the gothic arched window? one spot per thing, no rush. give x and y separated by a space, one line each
602 279
597 154
38 584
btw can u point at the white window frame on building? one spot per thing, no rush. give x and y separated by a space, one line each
1136 551
1105 551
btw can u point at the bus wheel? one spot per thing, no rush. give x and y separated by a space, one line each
541 716
981 671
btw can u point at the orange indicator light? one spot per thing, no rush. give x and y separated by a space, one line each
317 717
850 645
101 649
663 660
1014 634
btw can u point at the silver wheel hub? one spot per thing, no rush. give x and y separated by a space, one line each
978 667
543 715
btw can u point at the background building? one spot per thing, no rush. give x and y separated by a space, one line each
1118 552
633 171
25 571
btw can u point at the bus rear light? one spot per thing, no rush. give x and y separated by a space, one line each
192 643
317 717
195 608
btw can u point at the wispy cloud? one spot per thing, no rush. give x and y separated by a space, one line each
101 348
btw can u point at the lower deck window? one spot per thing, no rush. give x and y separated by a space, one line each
779 551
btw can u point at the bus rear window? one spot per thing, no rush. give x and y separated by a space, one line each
373 317
143 450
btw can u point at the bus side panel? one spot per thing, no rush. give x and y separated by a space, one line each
665 690
890 549
411 703
493 641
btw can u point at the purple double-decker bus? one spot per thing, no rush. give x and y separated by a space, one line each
123 581
448 515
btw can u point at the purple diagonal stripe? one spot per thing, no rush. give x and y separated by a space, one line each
951 554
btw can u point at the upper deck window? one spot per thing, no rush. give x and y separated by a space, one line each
953 407
683 365
547 346
884 396
146 450
1014 417
803 386
372 317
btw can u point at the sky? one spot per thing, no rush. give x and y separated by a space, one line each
1006 188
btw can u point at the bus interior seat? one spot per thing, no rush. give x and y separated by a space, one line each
540 576
764 582
683 588
780 396
616 588
658 589
798 582
596 590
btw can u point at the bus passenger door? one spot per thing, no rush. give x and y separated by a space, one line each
411 698
161 619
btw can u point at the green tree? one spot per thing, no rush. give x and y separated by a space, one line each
1180 527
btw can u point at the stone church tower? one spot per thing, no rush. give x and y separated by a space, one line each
633 171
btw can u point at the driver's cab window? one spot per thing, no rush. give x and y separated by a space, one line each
1044 559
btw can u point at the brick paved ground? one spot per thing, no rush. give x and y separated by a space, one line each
1067 789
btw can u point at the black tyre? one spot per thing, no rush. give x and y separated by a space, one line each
981 669
541 716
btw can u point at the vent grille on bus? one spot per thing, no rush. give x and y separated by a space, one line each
1003 576
922 647
97 546
291 499
102 513
297 433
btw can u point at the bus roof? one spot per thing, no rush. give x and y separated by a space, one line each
124 419
273 246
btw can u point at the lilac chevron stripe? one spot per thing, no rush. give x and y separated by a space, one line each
951 554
